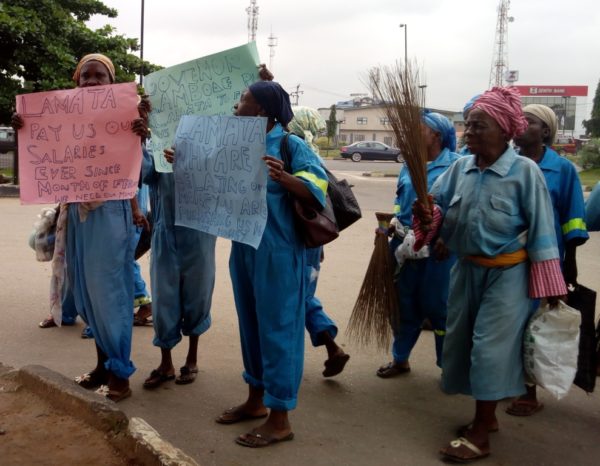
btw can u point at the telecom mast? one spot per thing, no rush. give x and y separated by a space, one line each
500 57
252 11
272 44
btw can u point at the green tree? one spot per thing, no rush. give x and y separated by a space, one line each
332 124
42 41
592 126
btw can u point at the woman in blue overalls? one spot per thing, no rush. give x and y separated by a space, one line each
417 299
268 282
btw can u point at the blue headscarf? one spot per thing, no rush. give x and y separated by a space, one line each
440 124
273 99
470 103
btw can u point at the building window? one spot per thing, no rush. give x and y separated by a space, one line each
361 120
387 140
343 137
384 121
359 137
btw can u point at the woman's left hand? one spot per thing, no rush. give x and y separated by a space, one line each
144 107
140 220
276 168
140 127
553 300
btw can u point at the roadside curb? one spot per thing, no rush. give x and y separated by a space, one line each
9 190
380 175
134 438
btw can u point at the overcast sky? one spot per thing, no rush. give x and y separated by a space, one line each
327 46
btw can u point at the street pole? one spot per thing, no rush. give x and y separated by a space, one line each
142 47
405 26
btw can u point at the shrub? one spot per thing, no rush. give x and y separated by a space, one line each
589 155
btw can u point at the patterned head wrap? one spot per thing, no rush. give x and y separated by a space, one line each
546 114
440 124
307 122
470 103
273 99
503 104
95 57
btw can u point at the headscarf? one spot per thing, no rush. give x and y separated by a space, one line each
95 57
546 114
470 103
273 99
440 124
307 122
503 104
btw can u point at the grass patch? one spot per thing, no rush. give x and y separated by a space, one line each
590 177
7 172
329 153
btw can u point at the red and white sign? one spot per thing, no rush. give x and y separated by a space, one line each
553 91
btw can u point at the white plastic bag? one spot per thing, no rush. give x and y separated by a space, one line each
406 249
551 347
43 236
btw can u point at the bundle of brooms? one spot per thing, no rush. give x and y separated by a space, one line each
376 310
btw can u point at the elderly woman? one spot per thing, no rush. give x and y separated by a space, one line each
567 203
495 213
268 283
417 299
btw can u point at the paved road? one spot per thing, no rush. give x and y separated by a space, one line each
353 419
365 166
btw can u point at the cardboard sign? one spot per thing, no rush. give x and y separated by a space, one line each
220 177
211 85
77 145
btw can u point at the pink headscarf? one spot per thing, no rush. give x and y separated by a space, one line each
503 104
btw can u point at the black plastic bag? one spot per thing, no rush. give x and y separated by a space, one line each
584 300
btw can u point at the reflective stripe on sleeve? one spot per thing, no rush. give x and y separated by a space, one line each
319 182
573 224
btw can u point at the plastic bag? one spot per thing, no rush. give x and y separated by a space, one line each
551 346
44 234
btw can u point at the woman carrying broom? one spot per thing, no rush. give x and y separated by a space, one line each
493 210
417 298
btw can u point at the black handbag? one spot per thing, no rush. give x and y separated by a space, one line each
344 203
145 240
584 300
318 227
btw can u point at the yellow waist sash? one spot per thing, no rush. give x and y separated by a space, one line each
501 260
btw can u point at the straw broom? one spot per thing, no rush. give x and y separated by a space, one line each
376 310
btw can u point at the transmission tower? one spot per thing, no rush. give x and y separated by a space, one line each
252 11
296 94
272 44
500 57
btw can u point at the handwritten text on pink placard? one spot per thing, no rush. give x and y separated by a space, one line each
77 145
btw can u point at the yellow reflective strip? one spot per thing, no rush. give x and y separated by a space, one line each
573 224
396 209
321 183
440 333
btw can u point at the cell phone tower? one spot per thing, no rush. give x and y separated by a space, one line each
252 11
272 45
500 56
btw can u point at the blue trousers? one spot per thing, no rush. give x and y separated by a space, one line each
69 310
488 309
316 319
140 290
268 287
100 269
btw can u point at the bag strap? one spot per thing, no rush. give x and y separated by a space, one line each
285 153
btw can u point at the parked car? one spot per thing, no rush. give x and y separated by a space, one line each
7 139
370 150
565 145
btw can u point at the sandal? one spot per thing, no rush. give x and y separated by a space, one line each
391 369
157 378
186 375
47 323
256 440
462 430
114 395
92 379
335 365
235 415
475 452
139 321
522 407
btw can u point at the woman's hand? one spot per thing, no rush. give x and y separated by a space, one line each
16 121
144 107
140 220
441 252
424 213
140 127
169 154
276 168
553 300
264 74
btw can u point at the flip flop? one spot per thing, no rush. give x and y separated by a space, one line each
391 370
141 321
47 323
524 408
92 379
186 375
335 365
238 416
256 440
477 453
462 430
156 379
114 395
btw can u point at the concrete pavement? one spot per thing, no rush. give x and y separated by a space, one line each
353 419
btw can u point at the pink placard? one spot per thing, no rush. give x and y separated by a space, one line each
77 145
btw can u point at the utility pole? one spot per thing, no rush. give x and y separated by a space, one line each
296 94
142 47
500 55
252 11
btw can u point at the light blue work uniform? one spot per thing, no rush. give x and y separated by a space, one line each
269 284
69 310
317 320
182 266
567 199
140 294
422 284
499 210
592 209
100 270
